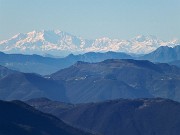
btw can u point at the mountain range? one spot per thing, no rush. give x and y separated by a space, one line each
163 54
17 85
18 118
97 88
47 65
114 78
118 117
91 82
56 42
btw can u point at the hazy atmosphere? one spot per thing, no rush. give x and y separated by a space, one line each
89 67
122 19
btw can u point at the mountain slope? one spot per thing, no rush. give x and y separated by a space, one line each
58 42
112 79
18 118
50 106
16 85
5 71
92 82
164 54
123 116
32 63
45 65
175 63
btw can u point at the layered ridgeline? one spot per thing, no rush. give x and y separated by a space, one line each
17 85
18 118
112 79
91 82
57 42
47 65
164 54
123 116
5 71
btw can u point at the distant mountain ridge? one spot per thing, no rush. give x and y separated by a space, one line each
46 65
16 85
4 71
56 42
163 54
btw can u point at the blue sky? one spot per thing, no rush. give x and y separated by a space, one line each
91 19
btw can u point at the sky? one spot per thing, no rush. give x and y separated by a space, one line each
90 19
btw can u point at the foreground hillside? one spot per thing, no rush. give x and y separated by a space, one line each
123 116
17 118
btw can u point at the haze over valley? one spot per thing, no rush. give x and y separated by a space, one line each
89 67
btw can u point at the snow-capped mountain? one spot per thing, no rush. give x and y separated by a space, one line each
58 42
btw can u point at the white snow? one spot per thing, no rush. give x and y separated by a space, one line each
58 41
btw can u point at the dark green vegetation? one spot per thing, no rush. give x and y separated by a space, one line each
118 117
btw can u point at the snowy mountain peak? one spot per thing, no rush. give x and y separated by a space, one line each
57 42
142 38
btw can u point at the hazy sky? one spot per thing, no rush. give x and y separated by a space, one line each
121 19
